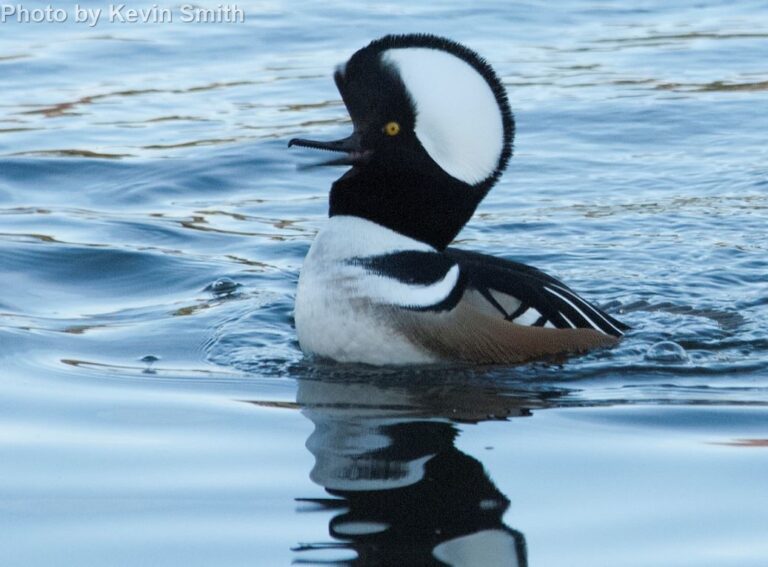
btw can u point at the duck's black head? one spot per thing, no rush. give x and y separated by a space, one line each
432 134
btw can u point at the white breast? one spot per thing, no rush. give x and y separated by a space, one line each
333 318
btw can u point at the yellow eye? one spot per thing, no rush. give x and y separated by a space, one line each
392 129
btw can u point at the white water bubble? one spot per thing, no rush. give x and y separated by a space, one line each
666 351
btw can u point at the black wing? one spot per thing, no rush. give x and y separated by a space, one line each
528 296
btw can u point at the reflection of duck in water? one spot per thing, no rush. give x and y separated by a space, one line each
405 494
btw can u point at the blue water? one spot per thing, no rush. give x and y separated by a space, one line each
155 408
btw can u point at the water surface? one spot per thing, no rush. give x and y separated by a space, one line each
155 407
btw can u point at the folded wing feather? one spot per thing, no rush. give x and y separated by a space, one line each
498 311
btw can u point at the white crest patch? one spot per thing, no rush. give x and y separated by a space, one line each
458 120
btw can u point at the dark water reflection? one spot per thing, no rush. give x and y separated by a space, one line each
402 493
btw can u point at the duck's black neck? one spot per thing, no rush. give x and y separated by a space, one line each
420 207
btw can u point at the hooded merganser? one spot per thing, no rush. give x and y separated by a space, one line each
432 134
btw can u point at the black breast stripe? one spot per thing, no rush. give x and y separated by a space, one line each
410 267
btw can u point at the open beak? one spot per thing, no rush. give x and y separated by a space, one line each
356 155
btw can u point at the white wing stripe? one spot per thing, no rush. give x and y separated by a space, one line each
593 311
579 311
567 320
